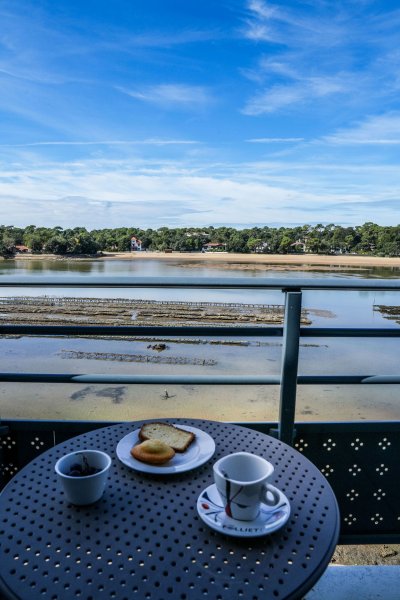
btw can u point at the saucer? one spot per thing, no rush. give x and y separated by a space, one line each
269 519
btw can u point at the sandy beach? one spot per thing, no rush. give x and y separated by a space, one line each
263 259
306 261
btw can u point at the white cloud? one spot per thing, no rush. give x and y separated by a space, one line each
273 140
281 96
274 99
171 95
273 23
379 130
113 193
263 20
148 142
263 10
284 67
311 55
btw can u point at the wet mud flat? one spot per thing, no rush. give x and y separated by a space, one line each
138 358
44 310
392 313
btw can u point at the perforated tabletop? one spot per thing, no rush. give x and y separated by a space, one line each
144 538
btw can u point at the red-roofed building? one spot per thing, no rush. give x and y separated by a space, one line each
21 248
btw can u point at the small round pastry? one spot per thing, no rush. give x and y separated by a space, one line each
153 452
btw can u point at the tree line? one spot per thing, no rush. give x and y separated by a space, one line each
369 238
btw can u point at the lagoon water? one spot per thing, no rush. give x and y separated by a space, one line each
348 308
317 356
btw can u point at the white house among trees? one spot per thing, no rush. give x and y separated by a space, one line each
136 244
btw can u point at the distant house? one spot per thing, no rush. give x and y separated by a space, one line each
21 249
214 247
262 248
300 246
196 234
136 244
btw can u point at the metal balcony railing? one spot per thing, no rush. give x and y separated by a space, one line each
291 332
359 459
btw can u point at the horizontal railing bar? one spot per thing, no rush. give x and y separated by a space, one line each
57 425
140 330
311 427
349 332
204 330
306 427
195 380
284 284
142 379
346 379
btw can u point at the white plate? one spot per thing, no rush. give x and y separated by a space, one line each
199 451
269 519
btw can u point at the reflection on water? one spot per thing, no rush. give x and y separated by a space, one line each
21 268
175 268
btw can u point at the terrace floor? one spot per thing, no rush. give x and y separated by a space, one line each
368 554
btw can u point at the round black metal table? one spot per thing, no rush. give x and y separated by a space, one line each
144 538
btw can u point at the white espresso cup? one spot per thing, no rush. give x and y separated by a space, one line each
83 489
241 481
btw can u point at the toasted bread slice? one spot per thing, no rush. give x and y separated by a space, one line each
176 438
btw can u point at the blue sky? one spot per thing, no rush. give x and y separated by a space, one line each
183 113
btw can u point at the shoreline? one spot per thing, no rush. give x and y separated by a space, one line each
287 260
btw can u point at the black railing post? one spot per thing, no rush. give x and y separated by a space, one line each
290 360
